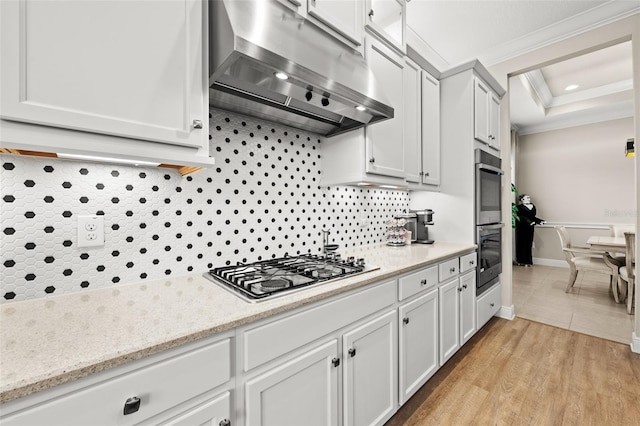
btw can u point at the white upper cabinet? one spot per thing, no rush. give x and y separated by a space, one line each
387 18
412 117
106 67
494 121
385 147
486 114
119 74
430 129
343 16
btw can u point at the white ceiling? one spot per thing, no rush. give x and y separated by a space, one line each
458 31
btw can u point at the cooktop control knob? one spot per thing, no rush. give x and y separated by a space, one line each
351 260
361 261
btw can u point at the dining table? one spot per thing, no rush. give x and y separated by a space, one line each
609 245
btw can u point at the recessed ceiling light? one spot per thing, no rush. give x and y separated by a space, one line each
281 75
571 87
361 108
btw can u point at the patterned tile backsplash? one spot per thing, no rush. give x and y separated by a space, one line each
261 200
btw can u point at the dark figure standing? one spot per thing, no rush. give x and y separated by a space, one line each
524 230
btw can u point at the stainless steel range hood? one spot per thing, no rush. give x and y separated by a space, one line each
329 89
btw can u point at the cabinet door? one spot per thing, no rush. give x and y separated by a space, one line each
384 144
449 319
418 343
214 412
430 129
387 19
411 134
481 110
488 304
494 121
467 306
126 68
303 391
344 16
370 371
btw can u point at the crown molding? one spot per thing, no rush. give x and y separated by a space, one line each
616 111
593 18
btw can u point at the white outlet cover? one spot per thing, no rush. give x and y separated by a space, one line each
90 231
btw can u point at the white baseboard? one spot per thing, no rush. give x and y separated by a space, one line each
550 262
507 312
635 343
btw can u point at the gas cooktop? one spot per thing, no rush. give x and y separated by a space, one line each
275 277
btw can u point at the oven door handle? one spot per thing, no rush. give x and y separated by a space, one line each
489 227
483 166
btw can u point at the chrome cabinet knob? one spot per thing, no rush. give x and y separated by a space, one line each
197 124
405 320
352 352
372 160
371 13
335 362
423 282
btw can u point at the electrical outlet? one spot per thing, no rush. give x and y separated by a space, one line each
90 231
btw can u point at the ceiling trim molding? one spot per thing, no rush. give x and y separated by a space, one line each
539 85
596 92
593 18
614 112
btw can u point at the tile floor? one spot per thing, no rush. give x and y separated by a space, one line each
538 295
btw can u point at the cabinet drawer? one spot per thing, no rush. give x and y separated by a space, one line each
159 387
468 262
418 281
274 339
488 304
448 269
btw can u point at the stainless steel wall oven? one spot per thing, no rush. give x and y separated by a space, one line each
489 240
488 177
488 188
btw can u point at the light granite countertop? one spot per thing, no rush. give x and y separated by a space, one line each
50 341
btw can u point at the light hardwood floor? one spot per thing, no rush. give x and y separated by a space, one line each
523 372
538 295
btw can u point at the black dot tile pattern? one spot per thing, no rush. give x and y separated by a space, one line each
260 201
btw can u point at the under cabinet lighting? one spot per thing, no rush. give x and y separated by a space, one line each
571 87
629 150
106 159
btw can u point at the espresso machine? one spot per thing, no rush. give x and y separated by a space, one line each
424 218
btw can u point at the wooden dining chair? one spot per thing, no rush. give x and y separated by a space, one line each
618 231
585 259
627 275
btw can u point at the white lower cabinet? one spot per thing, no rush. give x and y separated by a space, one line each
189 385
303 391
215 412
457 314
488 304
370 371
335 362
467 306
418 343
449 319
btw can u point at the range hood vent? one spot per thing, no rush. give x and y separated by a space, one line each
267 61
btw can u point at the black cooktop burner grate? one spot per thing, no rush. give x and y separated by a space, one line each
263 279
